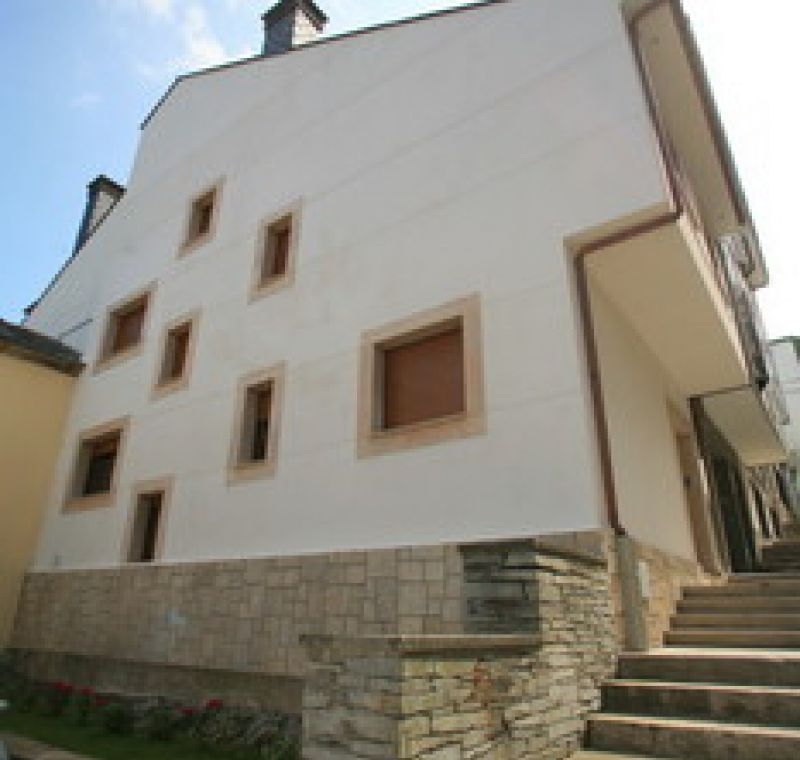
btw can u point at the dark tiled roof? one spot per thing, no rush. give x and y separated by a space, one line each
35 347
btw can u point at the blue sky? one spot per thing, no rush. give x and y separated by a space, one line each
79 76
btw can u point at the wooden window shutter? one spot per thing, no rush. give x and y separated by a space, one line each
424 379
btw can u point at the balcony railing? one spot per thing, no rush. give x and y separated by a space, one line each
733 255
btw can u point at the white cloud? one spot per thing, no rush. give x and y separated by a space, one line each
202 48
158 8
85 100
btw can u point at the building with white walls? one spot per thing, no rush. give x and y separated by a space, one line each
786 352
479 276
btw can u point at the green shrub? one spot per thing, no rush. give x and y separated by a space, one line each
117 718
159 722
80 707
282 748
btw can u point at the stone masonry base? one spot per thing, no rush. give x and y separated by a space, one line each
391 653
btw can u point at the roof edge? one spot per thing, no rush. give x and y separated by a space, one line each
316 43
32 346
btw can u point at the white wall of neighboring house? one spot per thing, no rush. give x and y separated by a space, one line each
787 360
434 160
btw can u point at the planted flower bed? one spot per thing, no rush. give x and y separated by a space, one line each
77 718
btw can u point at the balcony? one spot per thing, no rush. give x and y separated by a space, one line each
751 417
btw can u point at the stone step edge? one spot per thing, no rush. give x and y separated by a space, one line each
712 622
689 724
717 688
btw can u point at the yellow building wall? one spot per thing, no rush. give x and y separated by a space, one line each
34 401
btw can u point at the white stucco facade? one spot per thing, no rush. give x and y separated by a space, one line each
432 160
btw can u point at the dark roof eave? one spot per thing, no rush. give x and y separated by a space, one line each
32 346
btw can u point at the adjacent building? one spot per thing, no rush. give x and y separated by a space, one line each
472 279
37 379
787 361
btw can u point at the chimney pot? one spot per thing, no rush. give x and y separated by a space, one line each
102 194
291 23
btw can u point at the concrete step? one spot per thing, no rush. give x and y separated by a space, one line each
762 576
770 585
681 738
750 620
742 605
721 666
737 638
758 705
590 754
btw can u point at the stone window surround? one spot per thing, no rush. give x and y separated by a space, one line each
188 242
163 485
164 387
74 502
243 471
259 288
105 359
371 441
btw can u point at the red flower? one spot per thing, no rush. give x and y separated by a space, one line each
214 704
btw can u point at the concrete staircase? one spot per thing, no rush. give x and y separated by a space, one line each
783 554
726 686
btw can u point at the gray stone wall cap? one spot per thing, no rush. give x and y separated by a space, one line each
423 644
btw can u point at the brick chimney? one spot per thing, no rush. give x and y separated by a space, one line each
291 23
102 194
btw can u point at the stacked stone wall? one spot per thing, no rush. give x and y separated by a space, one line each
485 695
240 616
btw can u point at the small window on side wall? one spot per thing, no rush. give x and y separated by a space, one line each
202 219
94 477
125 329
144 537
257 425
177 355
146 527
275 252
421 380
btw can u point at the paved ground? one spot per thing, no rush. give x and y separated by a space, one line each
27 749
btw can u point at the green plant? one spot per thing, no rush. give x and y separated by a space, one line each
159 722
282 748
79 709
55 698
25 697
117 718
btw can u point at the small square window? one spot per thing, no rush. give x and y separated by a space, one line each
146 527
125 328
421 380
177 354
202 218
255 439
275 252
97 462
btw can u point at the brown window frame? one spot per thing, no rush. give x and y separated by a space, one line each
76 499
244 468
165 384
163 486
192 236
372 437
108 355
262 285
